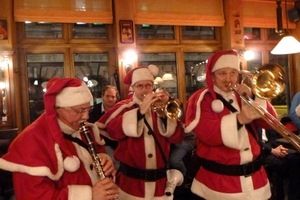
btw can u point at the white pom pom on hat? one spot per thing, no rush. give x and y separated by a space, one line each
153 69
141 73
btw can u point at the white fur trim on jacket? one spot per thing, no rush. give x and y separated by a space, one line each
130 125
96 132
236 137
114 114
194 123
171 127
201 190
80 192
36 171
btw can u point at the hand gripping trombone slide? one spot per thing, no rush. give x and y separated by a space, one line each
268 82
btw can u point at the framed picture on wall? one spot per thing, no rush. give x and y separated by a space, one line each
3 29
126 31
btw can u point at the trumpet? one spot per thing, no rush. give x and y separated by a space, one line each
95 157
171 109
268 82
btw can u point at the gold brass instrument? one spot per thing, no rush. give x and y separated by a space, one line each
171 109
268 82
95 157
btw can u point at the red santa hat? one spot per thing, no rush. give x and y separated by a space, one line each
141 73
220 60
64 92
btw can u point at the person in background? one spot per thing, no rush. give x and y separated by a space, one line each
110 96
294 112
281 163
225 127
142 172
180 150
49 158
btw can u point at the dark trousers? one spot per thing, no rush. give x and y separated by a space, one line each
281 170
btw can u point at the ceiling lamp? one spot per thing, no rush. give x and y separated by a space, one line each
288 44
167 77
158 80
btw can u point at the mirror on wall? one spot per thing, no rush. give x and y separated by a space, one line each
3 92
40 69
195 74
93 69
166 63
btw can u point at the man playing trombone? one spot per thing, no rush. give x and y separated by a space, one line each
225 127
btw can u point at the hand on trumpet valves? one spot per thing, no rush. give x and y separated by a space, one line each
105 189
148 100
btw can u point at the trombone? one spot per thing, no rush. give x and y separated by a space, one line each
268 82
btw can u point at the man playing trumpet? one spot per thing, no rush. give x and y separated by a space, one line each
142 172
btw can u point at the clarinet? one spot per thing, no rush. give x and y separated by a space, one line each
95 157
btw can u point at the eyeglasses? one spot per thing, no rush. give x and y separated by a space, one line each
83 110
147 86
79 111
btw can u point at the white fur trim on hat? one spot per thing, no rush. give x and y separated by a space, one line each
73 96
227 61
71 164
217 106
144 73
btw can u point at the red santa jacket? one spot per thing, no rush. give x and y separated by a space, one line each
39 167
221 141
136 147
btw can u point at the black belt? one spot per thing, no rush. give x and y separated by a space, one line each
147 175
232 170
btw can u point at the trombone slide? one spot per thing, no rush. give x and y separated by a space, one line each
273 122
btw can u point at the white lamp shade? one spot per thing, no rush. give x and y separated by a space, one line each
167 77
287 45
158 80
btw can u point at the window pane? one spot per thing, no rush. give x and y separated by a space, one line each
282 60
155 32
255 61
93 69
252 33
43 30
198 33
40 69
167 77
273 34
89 31
195 75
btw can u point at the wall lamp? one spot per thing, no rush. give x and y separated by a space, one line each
128 59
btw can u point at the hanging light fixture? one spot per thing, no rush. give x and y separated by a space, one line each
288 44
167 77
158 80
